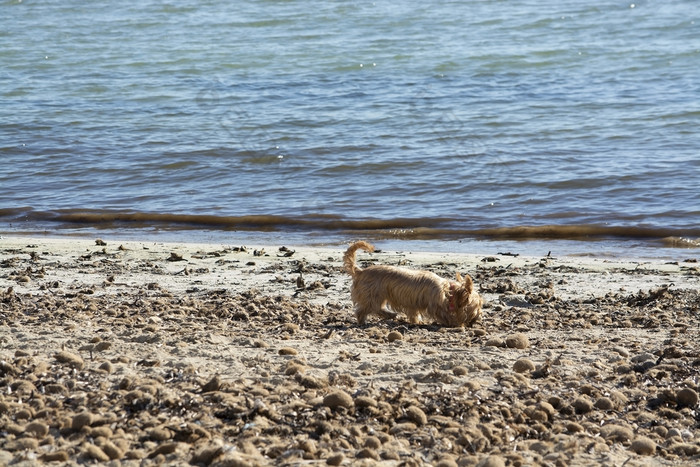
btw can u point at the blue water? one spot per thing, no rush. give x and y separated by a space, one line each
435 120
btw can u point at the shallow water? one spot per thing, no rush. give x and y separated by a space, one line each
449 121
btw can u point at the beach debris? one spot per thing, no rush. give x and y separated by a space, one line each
175 257
100 242
286 252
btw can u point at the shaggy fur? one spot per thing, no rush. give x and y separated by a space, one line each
418 294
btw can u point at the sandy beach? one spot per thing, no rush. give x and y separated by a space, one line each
149 353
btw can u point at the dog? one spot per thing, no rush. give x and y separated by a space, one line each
418 294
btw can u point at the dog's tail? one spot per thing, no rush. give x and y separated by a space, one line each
349 257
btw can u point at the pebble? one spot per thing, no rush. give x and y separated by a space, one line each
582 405
616 433
687 397
372 442
37 429
213 384
107 367
367 453
207 454
492 461
416 415
96 453
523 365
335 459
56 456
160 433
446 462
365 401
70 359
164 449
112 451
394 336
573 427
517 341
643 446
604 403
337 399
82 419
288 351
460 370
495 342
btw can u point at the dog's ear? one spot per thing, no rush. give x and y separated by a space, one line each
468 283
459 277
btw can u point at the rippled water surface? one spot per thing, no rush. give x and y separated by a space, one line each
412 120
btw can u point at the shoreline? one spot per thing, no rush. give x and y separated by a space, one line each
669 249
210 354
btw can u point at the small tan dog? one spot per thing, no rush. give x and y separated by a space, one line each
418 294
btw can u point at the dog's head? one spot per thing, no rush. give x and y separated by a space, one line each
465 302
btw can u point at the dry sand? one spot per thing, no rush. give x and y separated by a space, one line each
137 353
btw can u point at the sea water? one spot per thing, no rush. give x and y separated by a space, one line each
445 122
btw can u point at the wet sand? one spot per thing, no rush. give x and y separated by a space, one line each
138 353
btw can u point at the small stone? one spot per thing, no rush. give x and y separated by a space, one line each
111 449
373 442
288 351
446 462
21 444
492 461
82 419
96 453
293 368
70 359
495 342
24 414
643 446
582 405
107 367
104 431
517 341
604 403
56 456
337 399
102 346
207 454
335 459
573 427
523 365
687 397
365 401
616 433
160 433
416 415
37 429
212 385
460 371
165 449
394 336
367 453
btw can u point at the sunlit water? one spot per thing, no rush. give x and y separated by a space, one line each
441 121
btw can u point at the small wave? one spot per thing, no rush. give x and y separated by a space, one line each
681 242
398 228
